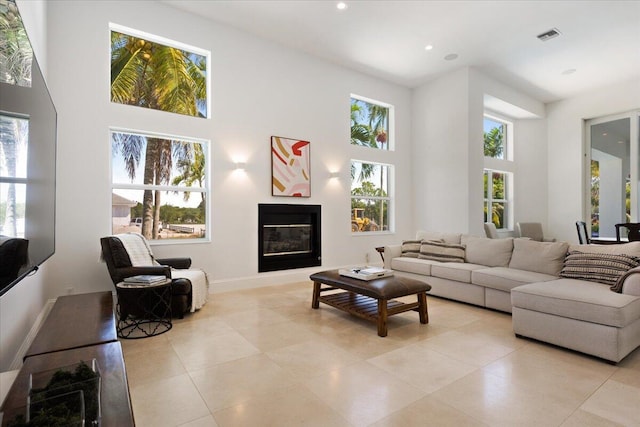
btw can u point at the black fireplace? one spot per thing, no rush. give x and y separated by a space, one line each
288 236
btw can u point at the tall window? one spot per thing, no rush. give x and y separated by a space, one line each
370 123
371 128
370 200
159 186
496 204
498 181
151 72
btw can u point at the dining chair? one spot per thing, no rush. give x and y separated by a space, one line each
633 233
583 234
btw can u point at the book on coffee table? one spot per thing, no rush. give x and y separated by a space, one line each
365 272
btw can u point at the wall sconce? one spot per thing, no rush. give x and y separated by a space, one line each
333 175
240 166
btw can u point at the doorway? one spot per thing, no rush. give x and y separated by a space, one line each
612 173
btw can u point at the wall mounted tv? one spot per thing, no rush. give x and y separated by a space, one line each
27 155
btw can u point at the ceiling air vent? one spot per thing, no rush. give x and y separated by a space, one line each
549 34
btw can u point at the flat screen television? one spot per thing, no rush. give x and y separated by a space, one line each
27 158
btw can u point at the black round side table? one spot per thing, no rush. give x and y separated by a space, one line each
143 310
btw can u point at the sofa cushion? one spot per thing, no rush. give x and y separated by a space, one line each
411 248
412 265
489 252
631 248
439 251
540 257
505 279
460 272
436 235
597 267
578 299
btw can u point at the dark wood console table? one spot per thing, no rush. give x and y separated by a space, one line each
78 328
76 321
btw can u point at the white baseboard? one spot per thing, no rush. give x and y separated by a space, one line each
268 279
17 360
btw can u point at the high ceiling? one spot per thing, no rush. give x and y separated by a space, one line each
600 40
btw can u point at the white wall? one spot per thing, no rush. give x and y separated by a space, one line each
259 89
565 139
448 153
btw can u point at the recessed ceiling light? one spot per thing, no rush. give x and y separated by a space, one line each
341 5
451 57
428 47
568 71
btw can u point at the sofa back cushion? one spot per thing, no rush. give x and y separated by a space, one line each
597 267
440 251
436 235
540 257
631 248
489 252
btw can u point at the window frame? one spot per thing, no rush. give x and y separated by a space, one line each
507 135
507 201
390 121
171 43
206 189
389 199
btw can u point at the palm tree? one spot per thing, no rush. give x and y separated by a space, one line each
192 172
161 77
494 142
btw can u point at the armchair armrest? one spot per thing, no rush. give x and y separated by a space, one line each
390 252
179 263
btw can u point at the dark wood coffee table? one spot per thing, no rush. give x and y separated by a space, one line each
371 300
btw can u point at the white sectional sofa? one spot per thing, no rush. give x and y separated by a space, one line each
552 289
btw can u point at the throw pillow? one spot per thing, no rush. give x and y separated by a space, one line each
597 267
539 257
488 252
440 251
411 248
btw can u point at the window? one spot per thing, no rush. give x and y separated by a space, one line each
495 138
370 200
370 123
498 172
496 204
13 175
159 186
152 72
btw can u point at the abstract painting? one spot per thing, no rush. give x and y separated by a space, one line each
290 162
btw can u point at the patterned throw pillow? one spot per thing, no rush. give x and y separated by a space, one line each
440 251
597 267
411 248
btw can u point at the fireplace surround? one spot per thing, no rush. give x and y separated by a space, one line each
288 236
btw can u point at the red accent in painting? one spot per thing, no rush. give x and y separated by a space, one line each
297 146
278 156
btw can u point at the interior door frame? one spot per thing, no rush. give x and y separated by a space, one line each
634 158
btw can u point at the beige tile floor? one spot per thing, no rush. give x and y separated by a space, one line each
263 357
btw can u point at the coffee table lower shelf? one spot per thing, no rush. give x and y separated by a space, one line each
372 309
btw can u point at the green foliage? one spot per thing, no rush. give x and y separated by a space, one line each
494 142
56 404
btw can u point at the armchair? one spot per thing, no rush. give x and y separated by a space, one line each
129 255
490 230
532 230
